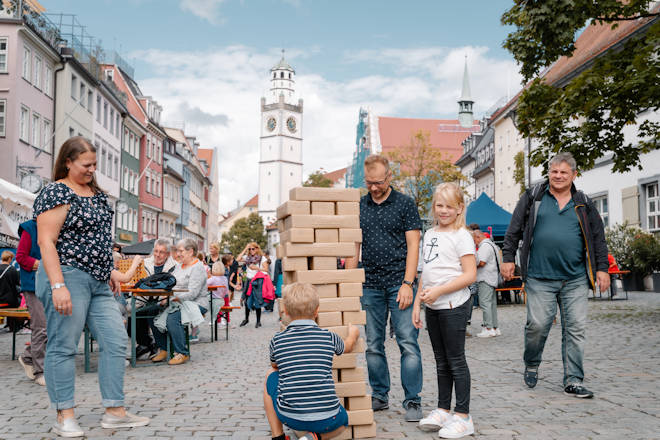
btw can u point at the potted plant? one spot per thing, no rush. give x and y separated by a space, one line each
619 239
645 250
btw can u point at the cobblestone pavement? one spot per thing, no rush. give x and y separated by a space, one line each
218 393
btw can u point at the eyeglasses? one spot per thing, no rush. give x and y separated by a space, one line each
369 183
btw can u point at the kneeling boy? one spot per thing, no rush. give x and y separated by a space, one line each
299 389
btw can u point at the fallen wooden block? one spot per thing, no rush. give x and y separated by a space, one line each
349 389
318 250
326 235
346 360
322 263
292 207
297 235
360 417
323 208
330 276
350 235
322 221
339 304
329 319
355 318
350 289
358 402
364 431
290 264
325 194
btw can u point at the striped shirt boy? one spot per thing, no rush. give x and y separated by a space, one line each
303 354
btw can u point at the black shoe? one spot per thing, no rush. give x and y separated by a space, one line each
378 405
531 376
141 350
413 412
244 323
257 325
577 390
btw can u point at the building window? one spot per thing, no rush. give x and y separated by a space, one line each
36 126
115 175
98 109
103 159
105 115
90 101
112 121
117 129
24 124
83 94
72 132
653 206
603 209
146 181
74 86
3 54
48 81
37 72
27 63
3 116
109 169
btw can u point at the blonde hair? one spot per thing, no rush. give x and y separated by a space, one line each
452 195
218 268
7 256
215 245
255 245
300 300
373 159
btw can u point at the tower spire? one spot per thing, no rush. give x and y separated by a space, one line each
465 116
465 93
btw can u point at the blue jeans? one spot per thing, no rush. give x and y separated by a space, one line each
176 330
542 299
93 304
378 304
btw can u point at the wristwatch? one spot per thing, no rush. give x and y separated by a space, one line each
410 283
57 286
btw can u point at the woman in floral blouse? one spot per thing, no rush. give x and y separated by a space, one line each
74 224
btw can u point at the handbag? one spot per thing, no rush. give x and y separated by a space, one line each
163 280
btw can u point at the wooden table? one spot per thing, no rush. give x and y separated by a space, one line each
214 328
14 313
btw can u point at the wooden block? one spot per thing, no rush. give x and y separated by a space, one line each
352 375
358 402
323 208
280 226
348 208
346 360
318 250
325 194
289 277
364 431
361 417
279 251
292 207
330 276
326 290
339 304
322 263
350 235
342 331
360 346
329 319
355 318
322 221
335 375
346 434
348 389
350 289
326 235
297 235
294 263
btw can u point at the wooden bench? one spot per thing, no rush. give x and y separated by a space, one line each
14 313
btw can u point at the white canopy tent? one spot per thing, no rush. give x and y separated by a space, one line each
15 208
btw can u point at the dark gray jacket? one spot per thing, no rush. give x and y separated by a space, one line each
524 219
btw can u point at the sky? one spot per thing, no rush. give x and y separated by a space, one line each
207 62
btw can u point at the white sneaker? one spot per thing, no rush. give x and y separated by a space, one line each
68 428
485 333
29 370
497 332
435 420
457 428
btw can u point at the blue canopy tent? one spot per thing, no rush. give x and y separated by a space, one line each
485 213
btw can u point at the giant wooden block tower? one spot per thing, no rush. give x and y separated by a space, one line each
317 226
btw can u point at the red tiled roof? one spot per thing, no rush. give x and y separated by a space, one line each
336 175
254 201
445 134
206 154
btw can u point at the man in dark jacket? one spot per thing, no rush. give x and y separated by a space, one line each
563 255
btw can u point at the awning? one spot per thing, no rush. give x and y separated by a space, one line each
485 213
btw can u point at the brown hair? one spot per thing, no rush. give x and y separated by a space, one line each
373 159
300 300
226 259
71 149
7 256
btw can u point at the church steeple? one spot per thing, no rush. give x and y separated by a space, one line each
282 81
465 116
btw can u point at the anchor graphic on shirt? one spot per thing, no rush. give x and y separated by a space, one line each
431 245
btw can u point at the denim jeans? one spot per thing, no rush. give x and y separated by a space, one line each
542 299
447 333
378 304
176 331
93 304
488 304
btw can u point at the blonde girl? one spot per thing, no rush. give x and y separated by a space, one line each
449 267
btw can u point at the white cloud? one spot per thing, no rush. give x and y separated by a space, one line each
206 9
231 81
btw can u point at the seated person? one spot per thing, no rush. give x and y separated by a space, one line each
10 282
218 278
189 302
301 358
613 267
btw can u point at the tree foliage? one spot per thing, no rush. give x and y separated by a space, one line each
417 168
586 116
519 170
242 232
318 179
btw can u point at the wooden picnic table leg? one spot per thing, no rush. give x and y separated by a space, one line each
13 341
227 326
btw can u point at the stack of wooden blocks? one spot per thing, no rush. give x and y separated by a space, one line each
317 226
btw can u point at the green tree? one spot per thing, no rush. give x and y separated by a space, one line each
587 115
519 170
318 179
242 232
417 168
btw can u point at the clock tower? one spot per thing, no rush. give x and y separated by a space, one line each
280 154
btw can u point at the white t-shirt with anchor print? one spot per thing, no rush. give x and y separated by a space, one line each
441 254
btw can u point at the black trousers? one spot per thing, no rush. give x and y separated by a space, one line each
447 332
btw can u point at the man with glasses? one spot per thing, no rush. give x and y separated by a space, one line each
390 246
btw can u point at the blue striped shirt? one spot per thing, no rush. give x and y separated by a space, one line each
303 354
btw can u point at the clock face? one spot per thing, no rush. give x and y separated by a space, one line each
271 124
291 124
31 182
121 207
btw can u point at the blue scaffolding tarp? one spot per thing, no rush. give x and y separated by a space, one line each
485 213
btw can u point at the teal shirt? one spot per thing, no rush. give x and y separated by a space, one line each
557 251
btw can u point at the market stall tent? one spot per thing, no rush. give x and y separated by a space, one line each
484 212
15 208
